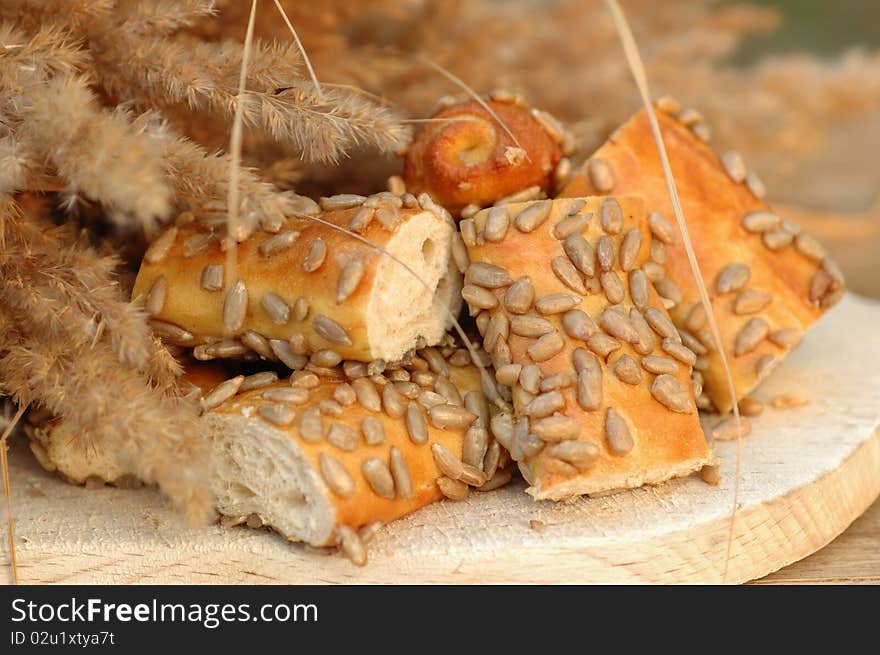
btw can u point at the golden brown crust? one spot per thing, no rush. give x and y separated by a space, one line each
714 206
307 279
475 161
665 443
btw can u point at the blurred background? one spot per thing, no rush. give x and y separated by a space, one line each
792 84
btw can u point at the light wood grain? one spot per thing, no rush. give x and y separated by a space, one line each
807 473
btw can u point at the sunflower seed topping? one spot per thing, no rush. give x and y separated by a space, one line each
755 185
291 395
660 323
497 223
557 428
589 382
580 454
777 239
727 430
452 489
659 365
351 544
613 287
556 303
760 221
578 325
764 365
809 247
571 225
545 404
341 436
751 301
629 249
620 441
581 254
330 330
479 297
446 461
450 416
672 394
786 337
221 393
618 325
300 309
159 248
626 369
349 279
611 216
530 218
519 296
661 228
311 425
235 307
568 274
212 277
362 219
378 476
487 275
279 415
603 345
750 336
546 346
605 252
530 326
692 342
668 290
341 201
601 175
156 296
732 277
734 165
679 351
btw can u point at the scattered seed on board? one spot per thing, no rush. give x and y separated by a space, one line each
580 454
330 330
601 175
749 406
235 307
221 393
212 277
487 275
336 476
533 216
661 228
519 296
788 401
378 476
620 441
751 301
159 248
732 277
726 429
581 254
349 279
452 489
750 336
156 296
672 394
351 544
711 474
567 274
734 165
280 415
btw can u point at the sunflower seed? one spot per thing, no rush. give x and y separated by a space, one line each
691 342
680 352
702 363
235 307
672 394
311 425
661 228
300 309
777 239
452 489
530 326
392 401
556 428
727 429
336 476
668 105
450 416
291 395
659 365
734 165
446 461
530 378
580 253
618 325
221 393
533 216
645 345
378 476
275 307
578 325
212 277
258 380
629 249
659 254
350 544
326 358
159 248
809 247
341 436
362 219
304 380
519 296
508 375
460 357
561 380
468 232
330 330
690 117
749 406
349 279
697 382
556 303
589 387
278 242
764 365
760 221
424 378
603 345
497 222
197 244
668 290
315 257
620 441
341 201
612 286
567 274
487 275
786 337
259 344
833 270
571 225
660 323
445 387
428 399
280 415
459 253
791 227
653 271
156 296
344 395
626 369
501 426
788 401
601 175
546 346
497 331
545 404
732 277
755 185
479 297
473 475
750 336
751 301
605 252
401 480
711 474
611 216
580 454
476 441
373 432
702 132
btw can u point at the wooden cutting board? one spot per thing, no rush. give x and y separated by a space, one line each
807 473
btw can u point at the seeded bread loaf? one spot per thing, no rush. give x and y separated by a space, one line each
319 458
308 287
767 279
465 157
599 378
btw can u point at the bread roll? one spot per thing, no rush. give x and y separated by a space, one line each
600 382
465 157
318 458
768 280
309 285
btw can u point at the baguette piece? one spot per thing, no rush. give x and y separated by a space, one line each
308 284
317 458
767 279
600 382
